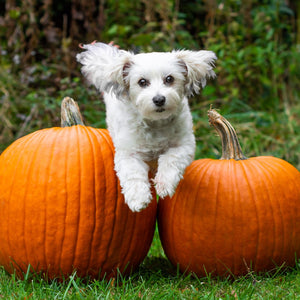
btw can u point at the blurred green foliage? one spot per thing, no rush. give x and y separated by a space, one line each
258 67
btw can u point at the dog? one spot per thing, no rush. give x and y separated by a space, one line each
147 113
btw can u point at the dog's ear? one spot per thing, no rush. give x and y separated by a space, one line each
197 66
105 66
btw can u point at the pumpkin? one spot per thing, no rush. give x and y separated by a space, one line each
233 215
61 206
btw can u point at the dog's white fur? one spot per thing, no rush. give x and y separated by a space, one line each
143 131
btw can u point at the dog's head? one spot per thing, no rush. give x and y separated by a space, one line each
155 83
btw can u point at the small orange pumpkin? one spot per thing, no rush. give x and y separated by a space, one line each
232 215
61 207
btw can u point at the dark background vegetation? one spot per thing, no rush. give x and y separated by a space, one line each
258 67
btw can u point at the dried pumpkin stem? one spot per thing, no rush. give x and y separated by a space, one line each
231 148
70 113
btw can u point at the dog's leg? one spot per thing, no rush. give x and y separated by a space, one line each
171 167
133 175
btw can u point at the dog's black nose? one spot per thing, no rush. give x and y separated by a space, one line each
159 100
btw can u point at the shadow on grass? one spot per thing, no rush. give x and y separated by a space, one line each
162 267
157 265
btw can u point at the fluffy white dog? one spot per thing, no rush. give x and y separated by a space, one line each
147 113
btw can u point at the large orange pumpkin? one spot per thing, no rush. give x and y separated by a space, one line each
232 215
61 207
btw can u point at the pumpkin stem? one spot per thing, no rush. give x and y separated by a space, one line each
231 148
70 113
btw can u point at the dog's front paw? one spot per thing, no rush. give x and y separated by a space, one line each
163 190
137 195
164 185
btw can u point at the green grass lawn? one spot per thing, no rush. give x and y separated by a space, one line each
156 279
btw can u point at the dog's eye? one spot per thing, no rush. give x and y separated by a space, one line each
143 82
169 79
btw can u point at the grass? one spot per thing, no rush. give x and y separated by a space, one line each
156 278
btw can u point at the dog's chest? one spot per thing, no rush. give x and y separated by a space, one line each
152 141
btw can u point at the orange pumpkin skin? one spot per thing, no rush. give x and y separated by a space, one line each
61 207
232 216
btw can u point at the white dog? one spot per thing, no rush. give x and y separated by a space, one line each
147 113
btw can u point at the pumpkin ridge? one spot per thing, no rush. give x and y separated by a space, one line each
128 225
126 256
206 165
285 241
116 209
265 184
296 182
119 196
276 211
222 207
46 187
83 196
228 169
277 246
95 135
112 229
37 140
219 171
109 141
89 244
283 244
66 202
79 161
235 242
19 144
240 165
136 230
239 191
23 144
72 210
205 168
250 173
52 166
99 136
114 225
65 134
92 136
